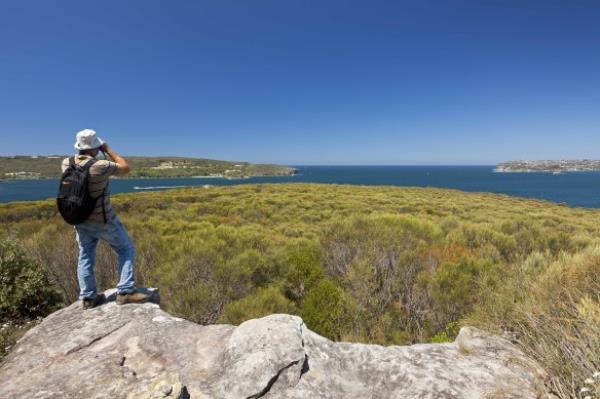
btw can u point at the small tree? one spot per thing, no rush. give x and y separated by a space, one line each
327 310
25 291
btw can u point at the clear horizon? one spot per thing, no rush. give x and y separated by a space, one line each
310 83
282 163
308 164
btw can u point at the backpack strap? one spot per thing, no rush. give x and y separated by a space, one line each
103 208
87 167
71 161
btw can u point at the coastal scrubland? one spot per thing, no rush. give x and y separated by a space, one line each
384 265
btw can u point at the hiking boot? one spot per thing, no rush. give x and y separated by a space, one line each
133 297
89 303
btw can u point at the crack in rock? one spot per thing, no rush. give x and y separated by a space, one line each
273 379
184 394
94 340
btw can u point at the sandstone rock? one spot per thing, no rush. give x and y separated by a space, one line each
139 351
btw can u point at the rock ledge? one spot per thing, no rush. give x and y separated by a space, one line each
140 351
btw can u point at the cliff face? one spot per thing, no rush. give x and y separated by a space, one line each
139 351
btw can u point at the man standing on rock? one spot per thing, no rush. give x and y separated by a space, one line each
102 223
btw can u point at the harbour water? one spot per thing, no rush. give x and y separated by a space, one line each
580 189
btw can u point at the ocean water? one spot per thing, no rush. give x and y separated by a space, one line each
581 189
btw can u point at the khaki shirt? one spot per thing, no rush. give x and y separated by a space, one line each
98 184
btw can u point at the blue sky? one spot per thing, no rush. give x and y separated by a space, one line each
304 82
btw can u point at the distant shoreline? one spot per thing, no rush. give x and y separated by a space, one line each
496 170
549 166
38 167
152 177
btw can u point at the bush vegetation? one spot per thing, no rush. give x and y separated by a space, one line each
25 293
384 265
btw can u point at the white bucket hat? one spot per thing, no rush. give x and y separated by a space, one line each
87 140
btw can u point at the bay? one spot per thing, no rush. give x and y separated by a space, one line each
581 189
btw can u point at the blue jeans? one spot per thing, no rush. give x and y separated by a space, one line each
114 233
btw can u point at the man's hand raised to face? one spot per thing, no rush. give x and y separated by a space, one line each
123 166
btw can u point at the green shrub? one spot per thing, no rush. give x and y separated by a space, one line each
376 260
303 264
263 302
447 335
326 310
455 287
25 291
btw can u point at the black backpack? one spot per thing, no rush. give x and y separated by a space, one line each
74 201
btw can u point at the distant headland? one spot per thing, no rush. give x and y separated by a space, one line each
584 165
32 167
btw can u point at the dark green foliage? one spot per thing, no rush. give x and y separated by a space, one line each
447 335
263 302
455 287
327 310
25 291
303 264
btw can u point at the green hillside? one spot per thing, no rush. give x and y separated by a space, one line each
385 265
40 167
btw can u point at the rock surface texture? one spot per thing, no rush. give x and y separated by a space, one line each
139 351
